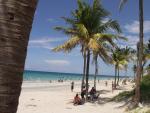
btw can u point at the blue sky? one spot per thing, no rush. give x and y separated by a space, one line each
43 37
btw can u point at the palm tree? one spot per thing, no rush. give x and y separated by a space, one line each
140 57
128 56
15 25
88 30
95 61
119 60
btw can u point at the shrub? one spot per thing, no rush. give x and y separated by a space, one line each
123 96
145 92
145 89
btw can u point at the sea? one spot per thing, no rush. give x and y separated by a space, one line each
55 76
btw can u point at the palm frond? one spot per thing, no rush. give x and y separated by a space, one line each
69 20
68 31
68 45
94 45
110 24
82 30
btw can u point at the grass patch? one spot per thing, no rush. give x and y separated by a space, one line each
145 92
123 96
140 110
145 89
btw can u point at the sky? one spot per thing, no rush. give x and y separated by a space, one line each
43 37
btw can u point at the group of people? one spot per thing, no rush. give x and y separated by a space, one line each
91 96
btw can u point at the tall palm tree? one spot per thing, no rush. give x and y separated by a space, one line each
95 61
88 30
119 60
140 57
15 25
128 56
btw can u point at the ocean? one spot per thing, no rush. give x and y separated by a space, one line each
47 76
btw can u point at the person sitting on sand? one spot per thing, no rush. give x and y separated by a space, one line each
93 93
77 100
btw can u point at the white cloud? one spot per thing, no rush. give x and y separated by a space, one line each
52 20
58 62
45 42
105 20
134 27
132 41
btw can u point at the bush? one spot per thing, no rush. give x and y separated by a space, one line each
145 92
145 89
123 96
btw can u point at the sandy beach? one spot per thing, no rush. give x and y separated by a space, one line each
57 98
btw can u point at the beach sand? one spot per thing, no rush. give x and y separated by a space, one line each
57 98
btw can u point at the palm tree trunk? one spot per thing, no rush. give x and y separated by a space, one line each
96 72
126 70
87 73
118 77
84 71
139 72
115 75
15 25
134 75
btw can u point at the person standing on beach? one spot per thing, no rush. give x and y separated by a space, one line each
112 87
106 83
72 86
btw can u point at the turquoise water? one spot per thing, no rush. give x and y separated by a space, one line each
46 76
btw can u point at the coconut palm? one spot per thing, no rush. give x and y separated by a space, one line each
119 60
140 57
87 29
95 56
15 25
128 56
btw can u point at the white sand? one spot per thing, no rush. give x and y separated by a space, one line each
57 98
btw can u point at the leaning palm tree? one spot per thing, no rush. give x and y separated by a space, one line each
140 56
87 29
15 25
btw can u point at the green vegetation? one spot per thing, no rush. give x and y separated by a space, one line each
145 89
123 96
145 92
140 110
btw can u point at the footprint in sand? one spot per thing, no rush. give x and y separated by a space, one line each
32 99
68 108
31 105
